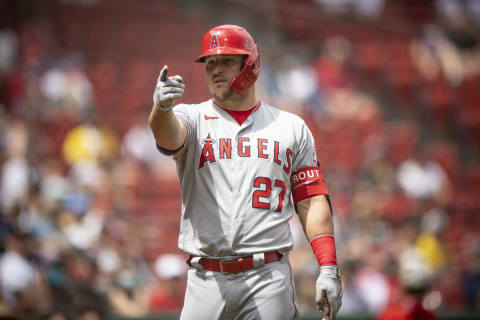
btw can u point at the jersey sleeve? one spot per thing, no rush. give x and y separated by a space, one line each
307 178
184 112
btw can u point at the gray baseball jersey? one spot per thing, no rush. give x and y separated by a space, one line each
236 180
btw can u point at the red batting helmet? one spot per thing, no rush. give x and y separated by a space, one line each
231 39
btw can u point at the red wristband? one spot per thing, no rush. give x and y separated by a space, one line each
324 249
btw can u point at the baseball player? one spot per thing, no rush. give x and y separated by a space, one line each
243 167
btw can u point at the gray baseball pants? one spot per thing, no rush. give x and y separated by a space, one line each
266 292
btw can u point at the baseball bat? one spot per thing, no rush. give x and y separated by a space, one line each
326 306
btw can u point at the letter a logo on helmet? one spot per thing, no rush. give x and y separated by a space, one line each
231 39
214 40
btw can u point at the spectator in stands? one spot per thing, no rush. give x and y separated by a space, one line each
353 301
67 88
416 279
16 171
167 294
19 277
423 179
137 146
81 276
8 50
127 297
429 241
89 143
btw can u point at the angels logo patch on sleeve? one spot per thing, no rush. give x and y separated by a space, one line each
315 161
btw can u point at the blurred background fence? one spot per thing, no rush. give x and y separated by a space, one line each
90 211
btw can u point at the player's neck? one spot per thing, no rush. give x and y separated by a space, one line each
239 102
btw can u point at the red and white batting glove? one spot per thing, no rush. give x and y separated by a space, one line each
167 90
329 291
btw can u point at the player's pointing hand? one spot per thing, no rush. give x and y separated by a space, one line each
167 90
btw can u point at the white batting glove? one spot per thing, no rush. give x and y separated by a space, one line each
329 291
167 90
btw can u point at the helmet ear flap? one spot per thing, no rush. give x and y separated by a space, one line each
249 73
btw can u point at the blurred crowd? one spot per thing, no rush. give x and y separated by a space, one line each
89 209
